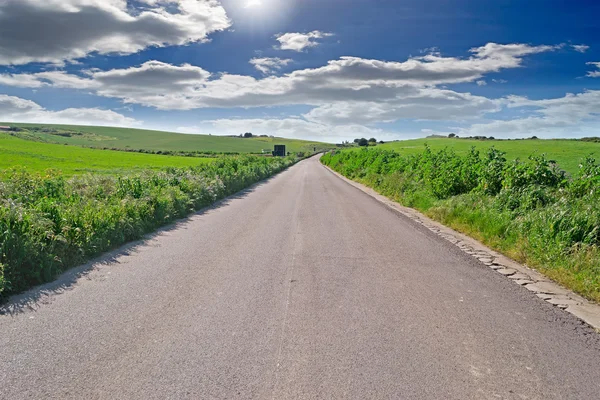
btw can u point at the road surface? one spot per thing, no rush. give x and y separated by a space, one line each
301 288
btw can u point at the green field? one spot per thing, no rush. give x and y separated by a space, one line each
126 138
72 160
567 153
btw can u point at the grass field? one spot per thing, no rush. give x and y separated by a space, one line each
567 153
72 160
125 138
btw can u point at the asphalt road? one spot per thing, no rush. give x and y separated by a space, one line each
302 288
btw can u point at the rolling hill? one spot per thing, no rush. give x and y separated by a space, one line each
71 160
127 138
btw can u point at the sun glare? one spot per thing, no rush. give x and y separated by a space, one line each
258 16
253 3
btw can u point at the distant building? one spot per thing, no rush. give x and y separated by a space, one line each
279 150
5 128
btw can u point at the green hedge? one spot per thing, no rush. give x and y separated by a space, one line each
529 209
49 223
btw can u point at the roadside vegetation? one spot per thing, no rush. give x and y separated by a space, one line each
50 222
528 208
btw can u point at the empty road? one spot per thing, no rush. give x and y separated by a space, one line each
300 288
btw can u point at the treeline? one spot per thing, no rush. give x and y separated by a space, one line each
49 223
363 142
528 209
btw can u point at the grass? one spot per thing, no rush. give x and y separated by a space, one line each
50 222
126 138
72 160
530 210
567 153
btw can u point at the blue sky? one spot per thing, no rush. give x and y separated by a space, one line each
327 70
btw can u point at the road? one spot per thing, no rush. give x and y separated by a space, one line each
300 288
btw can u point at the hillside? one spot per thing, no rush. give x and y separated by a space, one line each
127 138
72 160
567 153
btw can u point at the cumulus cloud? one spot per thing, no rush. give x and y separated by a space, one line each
293 128
299 41
269 65
20 110
481 83
423 104
348 79
594 74
558 116
21 80
510 51
574 107
346 91
581 48
58 30
55 79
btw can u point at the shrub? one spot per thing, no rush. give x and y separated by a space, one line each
530 209
49 223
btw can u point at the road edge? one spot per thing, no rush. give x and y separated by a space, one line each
43 294
540 285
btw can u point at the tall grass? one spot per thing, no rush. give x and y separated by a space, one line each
49 223
529 209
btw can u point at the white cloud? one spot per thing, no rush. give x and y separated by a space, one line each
52 31
573 107
293 128
345 92
153 83
594 74
508 52
499 81
348 79
55 79
15 109
552 117
10 106
21 80
481 83
269 65
253 3
581 48
422 104
299 41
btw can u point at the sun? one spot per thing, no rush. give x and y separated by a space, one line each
253 3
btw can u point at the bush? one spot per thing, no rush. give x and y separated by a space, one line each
530 209
49 223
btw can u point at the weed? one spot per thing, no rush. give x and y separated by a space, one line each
49 223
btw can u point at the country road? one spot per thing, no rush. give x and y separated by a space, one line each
302 287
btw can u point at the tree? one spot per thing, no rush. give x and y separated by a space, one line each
247 135
363 142
356 141
452 135
372 140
